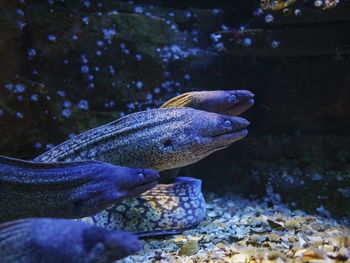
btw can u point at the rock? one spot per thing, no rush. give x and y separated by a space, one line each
292 224
273 237
256 239
274 255
189 248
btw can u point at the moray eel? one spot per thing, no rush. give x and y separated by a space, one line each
231 102
157 139
165 209
59 240
68 190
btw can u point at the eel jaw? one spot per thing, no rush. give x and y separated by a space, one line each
147 180
242 99
233 129
139 189
226 139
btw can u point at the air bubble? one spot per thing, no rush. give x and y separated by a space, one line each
34 97
31 53
51 38
66 104
66 113
84 69
139 84
297 12
37 145
268 18
275 44
19 115
138 9
19 88
83 104
247 42
85 20
61 93
138 57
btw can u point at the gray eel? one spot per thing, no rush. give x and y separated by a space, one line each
157 139
67 190
46 240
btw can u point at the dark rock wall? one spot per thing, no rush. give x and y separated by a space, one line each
68 66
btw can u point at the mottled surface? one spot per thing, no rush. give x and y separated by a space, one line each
157 139
165 209
68 190
58 240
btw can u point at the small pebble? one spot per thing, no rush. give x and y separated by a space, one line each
274 255
256 238
212 214
273 237
189 248
292 224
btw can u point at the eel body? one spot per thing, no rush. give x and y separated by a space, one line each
226 102
46 240
157 139
165 209
66 189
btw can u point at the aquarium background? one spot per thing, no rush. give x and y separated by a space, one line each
68 66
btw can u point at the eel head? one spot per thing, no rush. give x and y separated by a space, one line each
104 245
217 132
202 134
227 102
112 185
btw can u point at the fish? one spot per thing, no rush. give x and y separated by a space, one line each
66 189
52 240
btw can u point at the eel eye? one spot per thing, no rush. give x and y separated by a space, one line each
227 124
141 176
233 98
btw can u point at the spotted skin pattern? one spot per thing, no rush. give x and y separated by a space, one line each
157 139
165 209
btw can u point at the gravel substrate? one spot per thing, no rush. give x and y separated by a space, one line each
241 230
